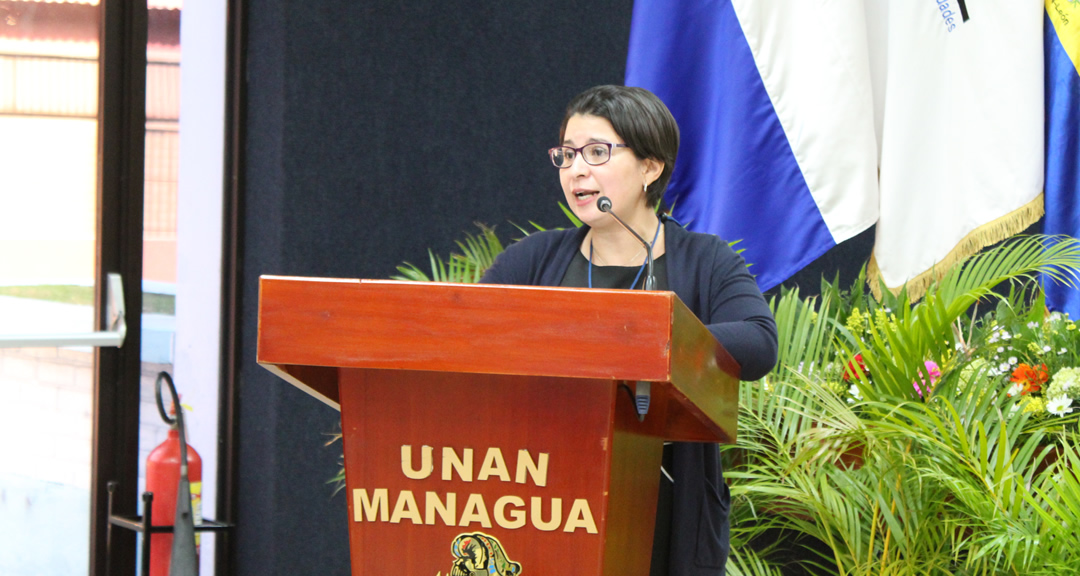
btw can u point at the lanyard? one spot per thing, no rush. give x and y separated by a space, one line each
642 269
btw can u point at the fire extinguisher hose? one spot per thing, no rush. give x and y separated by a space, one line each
184 556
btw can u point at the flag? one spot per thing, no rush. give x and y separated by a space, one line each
961 133
1062 70
775 112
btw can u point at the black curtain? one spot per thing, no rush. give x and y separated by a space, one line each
375 131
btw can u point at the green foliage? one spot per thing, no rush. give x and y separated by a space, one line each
957 480
571 216
895 348
478 252
805 330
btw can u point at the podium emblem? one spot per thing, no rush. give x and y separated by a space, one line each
479 554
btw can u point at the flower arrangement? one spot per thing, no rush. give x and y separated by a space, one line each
862 324
1063 390
1034 356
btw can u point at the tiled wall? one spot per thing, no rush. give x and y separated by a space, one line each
45 414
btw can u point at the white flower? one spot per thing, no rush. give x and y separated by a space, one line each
1054 316
1059 406
1065 379
1033 325
1015 408
854 391
1005 335
1001 349
1046 348
993 338
1012 360
1003 367
1062 351
1016 389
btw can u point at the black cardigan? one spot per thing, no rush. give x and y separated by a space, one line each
712 280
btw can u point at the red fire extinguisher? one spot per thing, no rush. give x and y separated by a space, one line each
163 479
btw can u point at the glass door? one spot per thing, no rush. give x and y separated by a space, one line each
49 66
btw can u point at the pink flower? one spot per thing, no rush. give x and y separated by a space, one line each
935 374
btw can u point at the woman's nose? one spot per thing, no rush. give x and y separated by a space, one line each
578 165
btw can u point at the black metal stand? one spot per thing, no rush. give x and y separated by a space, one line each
144 525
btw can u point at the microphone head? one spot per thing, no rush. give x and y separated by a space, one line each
603 203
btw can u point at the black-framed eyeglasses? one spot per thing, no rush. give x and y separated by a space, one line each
594 154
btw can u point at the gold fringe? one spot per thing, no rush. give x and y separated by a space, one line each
988 234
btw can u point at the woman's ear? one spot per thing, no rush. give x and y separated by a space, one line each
652 170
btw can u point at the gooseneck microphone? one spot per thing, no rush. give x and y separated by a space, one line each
604 204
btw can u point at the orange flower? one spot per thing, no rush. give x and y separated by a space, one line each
1031 377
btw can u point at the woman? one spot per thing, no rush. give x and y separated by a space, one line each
620 142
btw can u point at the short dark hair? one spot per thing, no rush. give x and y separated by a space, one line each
641 119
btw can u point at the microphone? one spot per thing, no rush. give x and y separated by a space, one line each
603 203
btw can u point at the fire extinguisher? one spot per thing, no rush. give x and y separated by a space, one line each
164 479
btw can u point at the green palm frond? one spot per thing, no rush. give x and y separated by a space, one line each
570 215
1055 497
979 466
477 253
896 349
805 331
744 561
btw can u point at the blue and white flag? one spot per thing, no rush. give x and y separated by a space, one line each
1062 53
805 122
776 115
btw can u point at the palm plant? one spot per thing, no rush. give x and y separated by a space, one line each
953 483
478 252
896 349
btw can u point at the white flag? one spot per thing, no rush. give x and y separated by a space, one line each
960 117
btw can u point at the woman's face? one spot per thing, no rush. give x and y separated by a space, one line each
621 178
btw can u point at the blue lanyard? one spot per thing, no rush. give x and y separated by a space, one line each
643 264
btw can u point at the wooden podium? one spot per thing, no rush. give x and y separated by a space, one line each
493 429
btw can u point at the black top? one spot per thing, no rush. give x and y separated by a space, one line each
577 274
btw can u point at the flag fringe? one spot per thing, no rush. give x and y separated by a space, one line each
988 234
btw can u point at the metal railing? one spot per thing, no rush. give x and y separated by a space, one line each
111 338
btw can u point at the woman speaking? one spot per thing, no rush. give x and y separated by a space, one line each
619 144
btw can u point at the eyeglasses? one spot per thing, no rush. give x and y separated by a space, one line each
594 154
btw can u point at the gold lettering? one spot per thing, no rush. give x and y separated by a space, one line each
494 465
450 461
517 515
538 471
425 463
538 507
406 508
432 504
580 517
362 506
475 511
